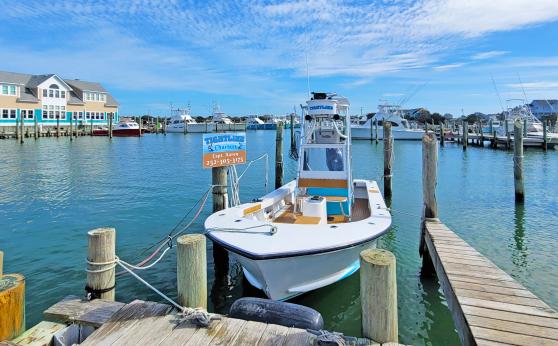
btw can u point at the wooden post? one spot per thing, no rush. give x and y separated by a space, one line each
101 254
76 125
12 306
35 127
481 134
279 156
165 126
545 137
378 295
293 141
91 127
388 157
508 134
518 161
22 127
494 139
490 127
376 131
58 126
17 129
72 127
157 126
429 175
465 134
185 126
371 130
1 263
191 271
140 125
110 126
219 181
442 139
524 127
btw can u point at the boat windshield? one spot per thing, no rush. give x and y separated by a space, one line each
323 159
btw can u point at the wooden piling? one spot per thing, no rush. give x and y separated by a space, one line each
1 263
35 127
279 156
524 128
545 136
490 126
508 134
442 139
388 157
17 129
293 141
76 126
110 126
101 266
191 270
376 131
22 127
91 126
219 182
429 175
71 128
481 135
12 304
494 139
58 126
140 126
378 295
465 134
518 161
157 125
165 126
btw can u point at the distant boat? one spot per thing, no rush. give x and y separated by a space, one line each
308 233
179 119
124 128
255 123
400 127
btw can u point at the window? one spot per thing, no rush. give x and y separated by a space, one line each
80 116
87 116
97 116
62 94
12 113
87 96
12 90
51 107
50 93
74 115
53 86
56 93
27 114
102 116
51 114
4 114
57 114
103 97
4 89
323 159
45 92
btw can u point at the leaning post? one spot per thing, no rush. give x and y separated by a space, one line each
378 295
388 157
191 270
101 256
279 156
518 161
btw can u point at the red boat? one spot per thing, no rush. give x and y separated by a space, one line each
125 128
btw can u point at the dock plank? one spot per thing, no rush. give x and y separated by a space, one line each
488 306
297 337
73 309
40 334
250 334
273 335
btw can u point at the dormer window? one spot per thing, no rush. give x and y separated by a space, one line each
54 91
8 89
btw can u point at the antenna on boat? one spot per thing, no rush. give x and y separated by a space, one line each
497 93
522 88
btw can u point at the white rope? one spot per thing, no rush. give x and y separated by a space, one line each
326 337
149 266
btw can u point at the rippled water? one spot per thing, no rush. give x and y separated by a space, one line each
53 191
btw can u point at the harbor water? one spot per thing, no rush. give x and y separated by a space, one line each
52 191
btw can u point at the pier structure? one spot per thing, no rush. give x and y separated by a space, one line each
488 306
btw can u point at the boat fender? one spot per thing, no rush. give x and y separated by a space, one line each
276 312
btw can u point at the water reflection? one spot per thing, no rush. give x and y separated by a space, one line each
518 244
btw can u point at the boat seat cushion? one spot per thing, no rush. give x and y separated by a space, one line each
335 197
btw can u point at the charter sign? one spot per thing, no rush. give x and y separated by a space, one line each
223 149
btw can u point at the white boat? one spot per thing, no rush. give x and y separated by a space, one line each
220 122
179 119
400 127
535 132
308 233
255 123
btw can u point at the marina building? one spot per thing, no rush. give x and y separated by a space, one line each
50 100
543 108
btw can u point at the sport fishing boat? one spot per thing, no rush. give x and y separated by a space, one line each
124 128
179 119
309 232
400 127
534 131
255 123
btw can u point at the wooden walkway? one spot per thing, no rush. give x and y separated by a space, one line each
488 306
149 323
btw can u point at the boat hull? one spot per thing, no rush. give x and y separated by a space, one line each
126 132
287 277
363 132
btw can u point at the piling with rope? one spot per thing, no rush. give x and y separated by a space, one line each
518 161
279 156
191 270
101 263
388 158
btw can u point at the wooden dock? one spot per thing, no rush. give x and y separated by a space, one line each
488 306
150 323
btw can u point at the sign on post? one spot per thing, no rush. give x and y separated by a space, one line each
224 149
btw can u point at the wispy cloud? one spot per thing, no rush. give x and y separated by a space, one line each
489 55
448 66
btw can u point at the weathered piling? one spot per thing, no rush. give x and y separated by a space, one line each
429 175
91 127
376 131
76 127
140 126
157 125
71 129
21 129
378 295
57 126
110 126
481 135
465 134
101 255
17 129
545 136
35 127
165 126
388 158
293 141
524 127
185 126
508 134
494 139
191 270
12 304
279 156
518 161
490 126
442 139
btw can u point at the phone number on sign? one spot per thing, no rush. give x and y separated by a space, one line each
224 159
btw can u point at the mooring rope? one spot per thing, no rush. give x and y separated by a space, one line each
327 337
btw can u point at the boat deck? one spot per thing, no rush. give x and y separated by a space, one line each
359 211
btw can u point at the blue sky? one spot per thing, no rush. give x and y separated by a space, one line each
250 56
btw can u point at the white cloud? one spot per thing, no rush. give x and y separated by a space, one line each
535 85
448 66
489 54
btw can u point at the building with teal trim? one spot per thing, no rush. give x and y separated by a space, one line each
49 100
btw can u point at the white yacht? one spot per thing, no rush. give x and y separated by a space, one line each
219 122
365 129
255 123
179 119
535 132
308 233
